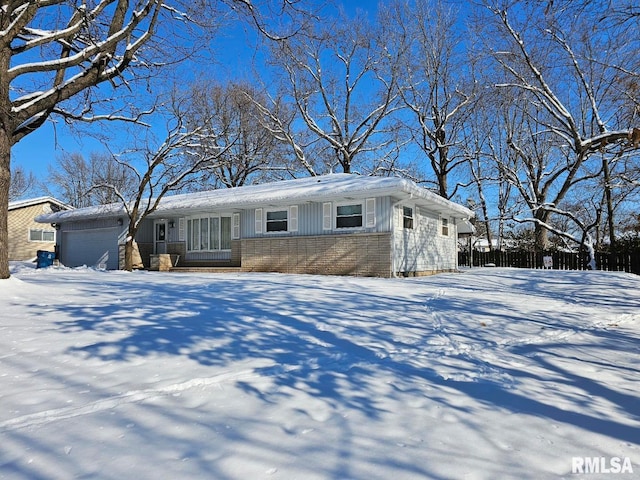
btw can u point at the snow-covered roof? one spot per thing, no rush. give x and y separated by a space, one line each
310 189
37 201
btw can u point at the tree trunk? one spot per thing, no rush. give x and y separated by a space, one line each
487 223
609 201
587 244
541 233
6 142
5 181
442 186
128 254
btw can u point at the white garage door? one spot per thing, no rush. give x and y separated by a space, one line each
93 248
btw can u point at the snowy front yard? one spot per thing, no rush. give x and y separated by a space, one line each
487 374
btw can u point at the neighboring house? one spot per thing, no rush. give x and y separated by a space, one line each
26 236
334 224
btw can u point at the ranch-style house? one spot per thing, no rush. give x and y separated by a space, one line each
337 224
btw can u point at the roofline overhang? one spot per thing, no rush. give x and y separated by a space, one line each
231 199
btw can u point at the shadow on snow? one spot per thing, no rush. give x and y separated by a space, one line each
333 339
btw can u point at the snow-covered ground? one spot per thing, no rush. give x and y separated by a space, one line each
486 374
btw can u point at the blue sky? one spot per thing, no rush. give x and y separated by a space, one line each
39 150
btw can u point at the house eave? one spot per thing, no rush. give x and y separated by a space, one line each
102 211
37 201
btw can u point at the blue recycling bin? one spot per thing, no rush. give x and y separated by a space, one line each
44 258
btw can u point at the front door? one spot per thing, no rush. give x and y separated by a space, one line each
160 236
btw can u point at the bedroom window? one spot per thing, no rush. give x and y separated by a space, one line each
349 216
407 217
209 234
277 221
284 219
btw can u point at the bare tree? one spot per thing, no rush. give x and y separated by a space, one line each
482 156
21 183
341 75
81 181
570 77
52 51
281 119
435 87
236 123
71 176
53 55
160 167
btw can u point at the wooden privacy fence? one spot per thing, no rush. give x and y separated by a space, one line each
615 262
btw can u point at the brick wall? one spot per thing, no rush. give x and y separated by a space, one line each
353 254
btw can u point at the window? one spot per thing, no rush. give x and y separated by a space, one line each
407 217
349 216
225 233
209 234
214 233
42 236
281 220
444 222
204 234
277 221
354 215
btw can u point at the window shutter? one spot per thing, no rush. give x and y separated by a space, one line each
181 229
258 220
235 226
371 212
293 218
326 216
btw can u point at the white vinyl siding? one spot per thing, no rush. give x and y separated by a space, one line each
423 248
319 218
